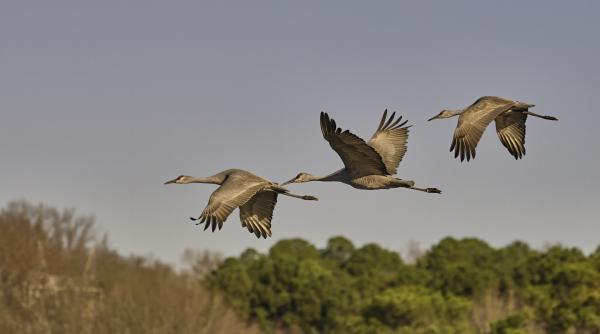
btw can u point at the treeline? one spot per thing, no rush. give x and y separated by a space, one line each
458 286
58 276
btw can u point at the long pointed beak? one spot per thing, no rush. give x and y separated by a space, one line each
287 182
432 118
171 181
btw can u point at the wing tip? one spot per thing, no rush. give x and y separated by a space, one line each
392 122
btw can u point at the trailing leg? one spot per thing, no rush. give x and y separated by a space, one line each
284 191
427 190
304 197
411 185
551 118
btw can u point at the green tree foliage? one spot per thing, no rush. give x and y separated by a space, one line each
512 324
565 287
294 286
411 309
373 269
458 286
58 276
462 267
339 250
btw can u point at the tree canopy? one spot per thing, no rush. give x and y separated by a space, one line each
457 286
58 275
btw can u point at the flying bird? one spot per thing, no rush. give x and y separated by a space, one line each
367 165
253 195
510 117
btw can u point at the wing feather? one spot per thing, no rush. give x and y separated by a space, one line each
511 129
233 193
472 123
257 213
389 141
359 158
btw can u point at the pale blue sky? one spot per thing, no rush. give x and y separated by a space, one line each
101 102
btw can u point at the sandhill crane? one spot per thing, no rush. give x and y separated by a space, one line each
367 165
255 196
510 119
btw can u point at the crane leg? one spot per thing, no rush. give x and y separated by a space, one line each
304 197
411 185
427 190
403 183
551 118
286 192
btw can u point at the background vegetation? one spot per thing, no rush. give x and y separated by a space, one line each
458 286
57 275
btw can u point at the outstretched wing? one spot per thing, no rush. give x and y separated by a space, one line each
390 141
511 131
358 157
257 213
234 192
472 123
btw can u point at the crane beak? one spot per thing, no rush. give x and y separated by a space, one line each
171 181
432 118
287 182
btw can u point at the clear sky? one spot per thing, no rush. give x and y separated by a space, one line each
101 102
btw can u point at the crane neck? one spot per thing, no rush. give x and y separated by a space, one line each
337 176
456 112
210 179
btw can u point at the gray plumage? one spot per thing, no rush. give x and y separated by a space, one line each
510 117
253 195
366 165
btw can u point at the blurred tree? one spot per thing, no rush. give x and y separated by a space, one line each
201 263
338 249
463 267
373 268
512 265
412 309
512 324
58 276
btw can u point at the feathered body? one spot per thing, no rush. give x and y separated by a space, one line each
253 195
509 115
369 165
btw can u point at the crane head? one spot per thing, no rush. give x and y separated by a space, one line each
443 114
300 178
181 179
